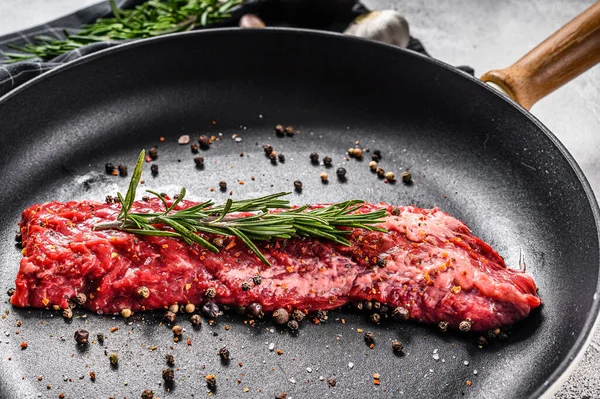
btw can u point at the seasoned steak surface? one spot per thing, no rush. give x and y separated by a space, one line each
428 262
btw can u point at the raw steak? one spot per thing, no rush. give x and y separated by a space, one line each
428 263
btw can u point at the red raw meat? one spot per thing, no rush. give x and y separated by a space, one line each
428 262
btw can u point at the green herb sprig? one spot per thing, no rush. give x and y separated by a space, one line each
151 18
224 220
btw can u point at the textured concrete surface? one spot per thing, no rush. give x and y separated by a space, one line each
484 35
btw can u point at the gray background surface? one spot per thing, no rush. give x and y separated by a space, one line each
484 35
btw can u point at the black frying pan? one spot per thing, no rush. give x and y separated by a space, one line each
471 152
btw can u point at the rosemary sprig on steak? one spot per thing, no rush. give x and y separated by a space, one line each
222 220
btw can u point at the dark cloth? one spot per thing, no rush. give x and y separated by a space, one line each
329 15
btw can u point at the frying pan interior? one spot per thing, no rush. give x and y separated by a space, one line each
470 152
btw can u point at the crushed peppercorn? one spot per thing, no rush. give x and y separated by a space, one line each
81 336
168 375
170 359
397 346
298 315
224 354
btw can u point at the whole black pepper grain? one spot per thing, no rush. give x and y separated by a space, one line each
381 261
224 354
281 316
147 394
341 173
281 158
397 346
322 315
298 185
153 153
169 316
380 173
273 158
376 305
400 313
369 337
80 298
375 318
242 310
109 199
257 280
293 326
396 211
465 325
246 286
204 142
146 198
443 326
168 375
170 359
375 157
298 315
196 320
154 169
81 337
289 130
194 148
314 157
122 170
100 338
11 291
268 149
384 310
327 161
358 306
210 310
109 168
377 152
199 161
211 382
279 130
255 310
223 185
406 177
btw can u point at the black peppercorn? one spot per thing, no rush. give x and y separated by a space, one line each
204 142
281 316
279 130
170 360
397 346
358 306
273 158
377 152
81 336
443 326
314 157
257 280
369 337
322 315
255 310
400 313
327 161
223 186
169 316
153 153
210 310
293 326
147 394
196 320
375 157
268 149
246 285
384 310
100 338
396 211
376 305
10 291
281 158
194 148
289 130
298 315
368 306
154 169
298 185
146 198
109 199
380 173
122 170
211 292
109 168
375 318
224 354
341 173
67 313
168 375
381 261
406 177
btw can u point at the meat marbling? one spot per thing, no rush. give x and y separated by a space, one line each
428 262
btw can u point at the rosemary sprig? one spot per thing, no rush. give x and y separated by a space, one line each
151 18
285 222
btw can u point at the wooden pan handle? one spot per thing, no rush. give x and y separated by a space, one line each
566 54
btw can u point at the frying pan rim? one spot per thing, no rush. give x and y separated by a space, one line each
568 364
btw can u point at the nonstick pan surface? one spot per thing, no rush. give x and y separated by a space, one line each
472 153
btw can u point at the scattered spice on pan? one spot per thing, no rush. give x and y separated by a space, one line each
93 376
289 131
377 153
196 320
24 345
280 316
255 310
268 148
67 313
406 177
322 315
153 153
223 185
390 176
327 161
293 326
126 313
357 153
376 379
109 168
380 172
273 158
147 394
168 376
170 359
400 313
114 359
281 158
279 352
190 308
100 338
443 326
224 354
210 310
324 177
298 185
169 316
341 173
375 318
184 139
211 382
298 315
154 169
314 158
397 346
122 170
177 330
81 337
369 338
114 329
465 325
279 130
331 382
204 142
194 148
282 395
373 166
482 342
